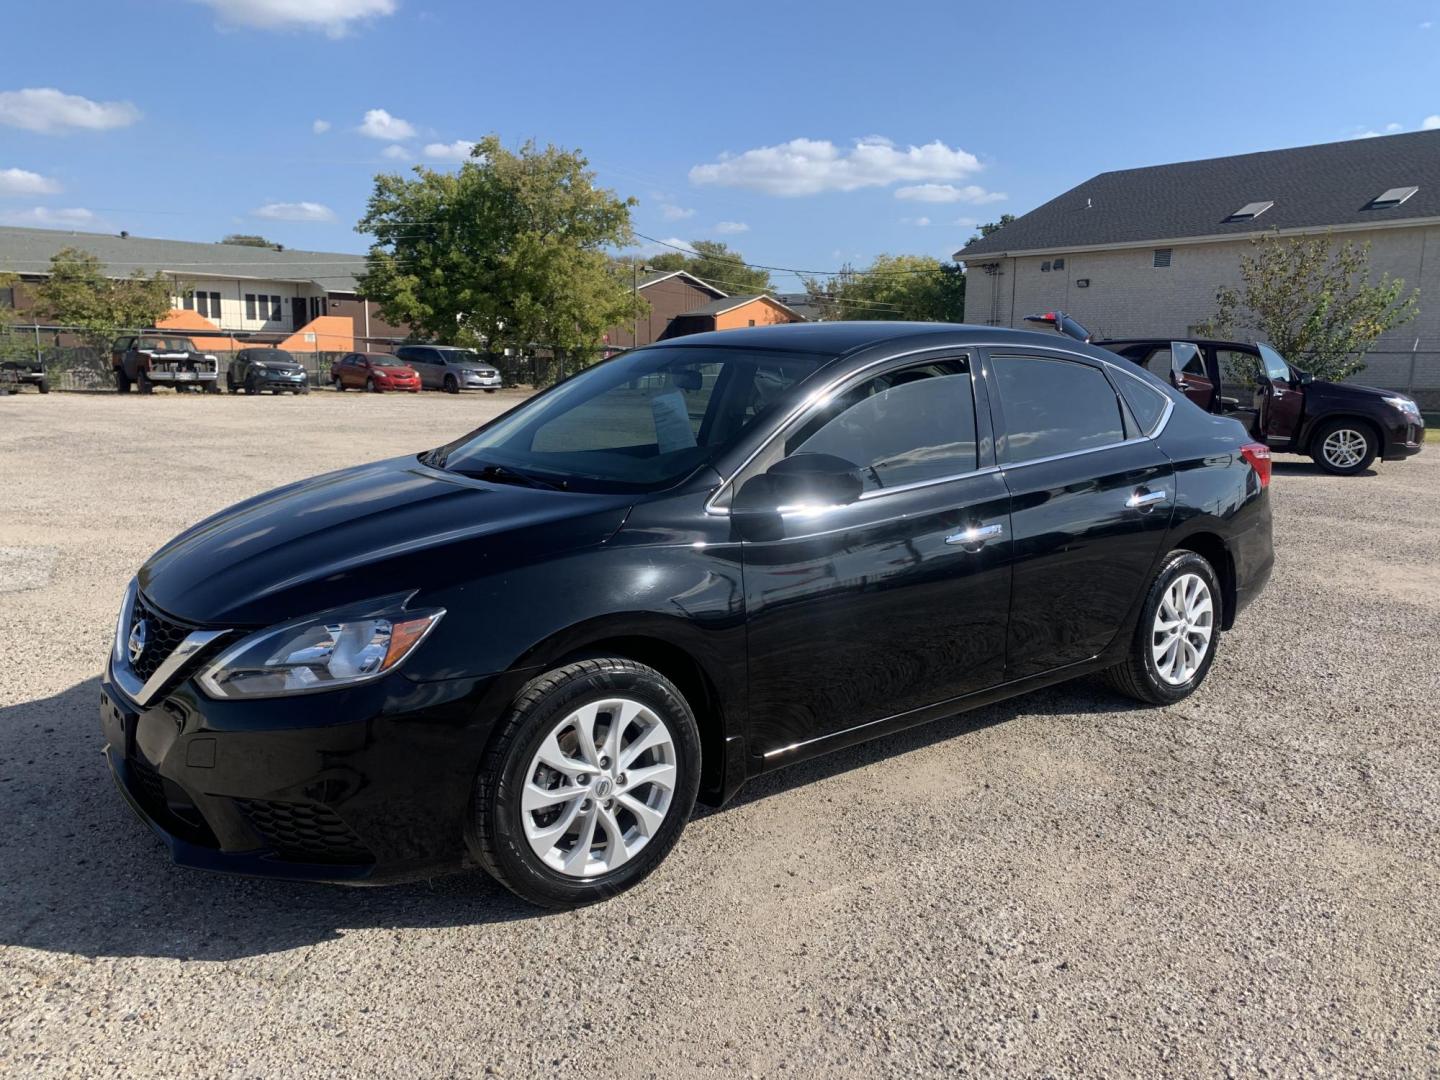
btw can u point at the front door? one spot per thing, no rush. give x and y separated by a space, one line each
1280 399
298 311
896 601
1091 501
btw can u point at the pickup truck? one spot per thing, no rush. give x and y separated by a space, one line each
17 373
1342 426
146 361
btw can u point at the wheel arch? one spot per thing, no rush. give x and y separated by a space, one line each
1305 444
1213 549
668 646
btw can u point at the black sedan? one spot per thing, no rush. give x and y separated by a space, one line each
533 648
254 370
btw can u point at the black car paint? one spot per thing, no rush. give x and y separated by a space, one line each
266 369
1400 435
786 649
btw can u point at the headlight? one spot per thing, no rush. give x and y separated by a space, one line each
320 652
1404 404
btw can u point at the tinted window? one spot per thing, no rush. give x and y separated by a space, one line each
1158 362
1189 359
906 426
1055 407
1275 366
640 421
1147 404
1238 367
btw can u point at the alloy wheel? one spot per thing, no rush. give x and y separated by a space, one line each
1184 623
599 787
1345 448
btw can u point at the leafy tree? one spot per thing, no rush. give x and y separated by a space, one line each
1313 301
249 240
911 288
508 250
13 345
78 294
990 227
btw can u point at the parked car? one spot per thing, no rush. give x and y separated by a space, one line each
146 361
532 648
1342 426
16 374
445 367
373 372
254 370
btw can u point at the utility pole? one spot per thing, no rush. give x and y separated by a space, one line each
635 269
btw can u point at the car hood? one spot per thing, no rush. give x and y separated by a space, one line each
350 536
473 367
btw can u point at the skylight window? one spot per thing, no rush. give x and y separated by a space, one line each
1250 211
1393 197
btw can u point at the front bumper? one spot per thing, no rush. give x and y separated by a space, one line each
482 382
1406 438
361 786
281 381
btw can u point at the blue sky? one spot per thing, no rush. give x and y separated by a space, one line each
804 134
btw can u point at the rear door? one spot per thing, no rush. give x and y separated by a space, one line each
899 600
1188 374
1091 499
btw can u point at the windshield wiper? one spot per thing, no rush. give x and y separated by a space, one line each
506 474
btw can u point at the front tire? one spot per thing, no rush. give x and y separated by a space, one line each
43 386
451 385
370 387
1344 447
587 784
1176 637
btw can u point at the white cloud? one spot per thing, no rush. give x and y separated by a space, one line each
334 17
729 228
1426 25
45 217
379 124
1393 127
949 193
320 127
671 212
459 150
25 182
648 247
1372 134
1430 123
809 166
396 152
920 221
49 111
294 211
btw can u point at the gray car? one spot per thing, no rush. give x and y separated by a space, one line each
449 368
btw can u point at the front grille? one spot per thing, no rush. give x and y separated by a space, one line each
305 832
148 786
162 637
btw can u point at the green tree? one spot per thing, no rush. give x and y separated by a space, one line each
990 227
1313 301
249 240
510 249
79 295
910 288
13 345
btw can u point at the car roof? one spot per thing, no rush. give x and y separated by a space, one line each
1217 343
841 338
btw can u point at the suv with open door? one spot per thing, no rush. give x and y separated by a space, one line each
1342 426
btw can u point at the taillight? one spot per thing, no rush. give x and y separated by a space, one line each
1257 456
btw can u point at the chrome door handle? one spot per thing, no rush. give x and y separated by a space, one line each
975 537
1141 499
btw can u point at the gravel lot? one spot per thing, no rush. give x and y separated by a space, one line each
1063 884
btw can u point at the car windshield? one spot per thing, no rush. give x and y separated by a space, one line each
1275 365
461 356
387 361
640 422
274 356
166 344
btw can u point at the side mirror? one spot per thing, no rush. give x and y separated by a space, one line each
1304 376
804 480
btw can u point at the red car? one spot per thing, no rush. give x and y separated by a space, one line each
373 372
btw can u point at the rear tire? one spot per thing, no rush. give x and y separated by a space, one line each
1177 634
1344 447
637 708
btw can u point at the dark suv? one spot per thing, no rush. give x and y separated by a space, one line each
452 369
1342 426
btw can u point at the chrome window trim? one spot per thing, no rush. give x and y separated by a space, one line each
828 389
125 677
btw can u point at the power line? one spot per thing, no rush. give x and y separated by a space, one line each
791 269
